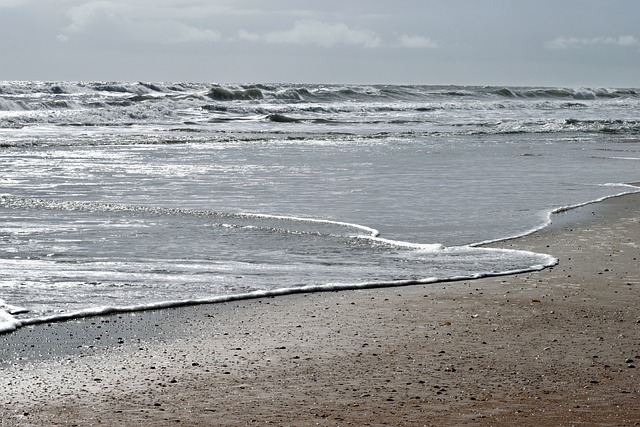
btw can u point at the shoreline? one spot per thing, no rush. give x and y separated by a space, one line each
552 347
10 325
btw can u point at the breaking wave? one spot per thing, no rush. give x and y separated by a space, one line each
178 109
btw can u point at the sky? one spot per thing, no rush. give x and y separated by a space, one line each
572 43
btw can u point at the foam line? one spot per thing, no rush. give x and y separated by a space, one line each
108 207
424 247
372 232
561 209
8 323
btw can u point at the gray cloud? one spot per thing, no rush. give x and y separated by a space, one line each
571 42
419 42
323 34
135 22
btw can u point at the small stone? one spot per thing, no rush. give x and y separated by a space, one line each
628 361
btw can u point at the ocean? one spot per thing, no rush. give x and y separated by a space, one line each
118 196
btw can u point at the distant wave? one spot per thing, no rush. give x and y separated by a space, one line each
313 92
402 110
219 93
566 93
16 96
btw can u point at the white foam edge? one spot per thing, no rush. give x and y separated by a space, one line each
116 207
551 213
372 232
422 247
8 323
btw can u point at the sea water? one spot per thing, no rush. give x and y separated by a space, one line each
124 196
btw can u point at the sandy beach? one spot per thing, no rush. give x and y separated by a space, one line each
559 347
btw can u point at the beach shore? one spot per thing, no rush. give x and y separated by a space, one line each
557 347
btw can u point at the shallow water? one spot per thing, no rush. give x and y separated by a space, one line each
124 195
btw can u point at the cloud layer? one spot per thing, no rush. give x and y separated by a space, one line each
316 33
426 41
582 42
165 22
136 22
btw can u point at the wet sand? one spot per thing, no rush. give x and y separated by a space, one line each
549 348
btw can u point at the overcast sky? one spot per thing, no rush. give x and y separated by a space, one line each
485 42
